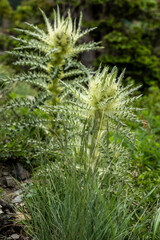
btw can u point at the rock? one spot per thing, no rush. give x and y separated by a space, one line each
19 172
1 212
5 173
14 236
17 199
18 192
10 181
5 219
6 206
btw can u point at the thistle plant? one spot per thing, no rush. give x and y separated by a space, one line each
49 56
105 105
84 193
63 97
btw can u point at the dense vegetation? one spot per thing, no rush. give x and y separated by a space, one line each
74 122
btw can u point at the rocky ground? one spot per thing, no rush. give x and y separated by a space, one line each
12 178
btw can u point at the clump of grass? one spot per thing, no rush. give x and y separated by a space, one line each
156 224
66 202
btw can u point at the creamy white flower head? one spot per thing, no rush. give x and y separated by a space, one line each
63 36
103 93
107 100
59 43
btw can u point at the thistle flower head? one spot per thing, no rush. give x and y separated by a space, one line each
104 93
63 36
59 43
107 95
107 101
63 32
